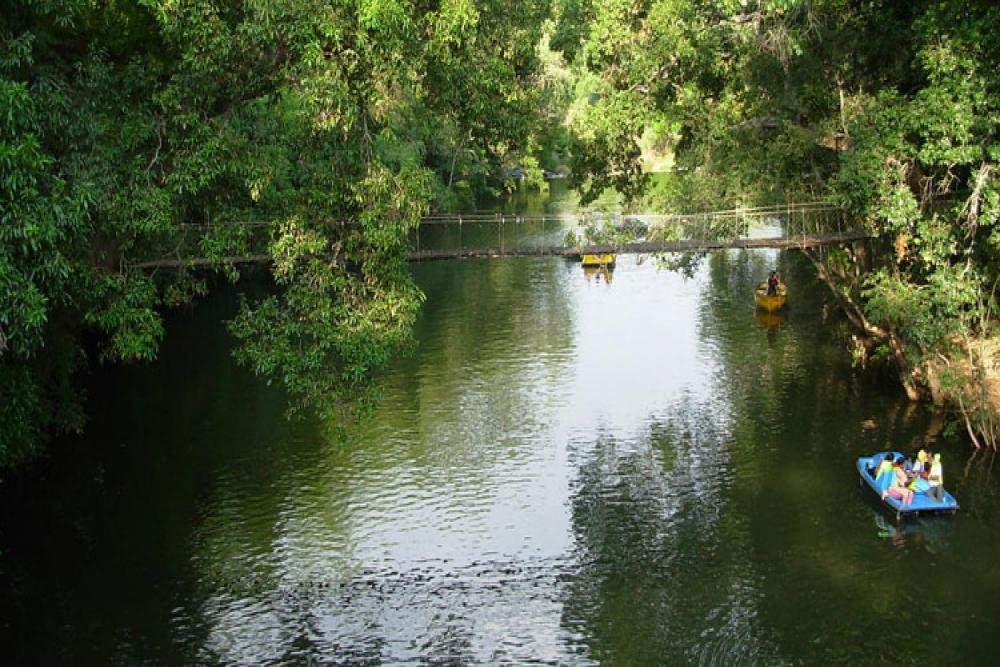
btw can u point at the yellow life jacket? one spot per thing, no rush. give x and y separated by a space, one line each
936 478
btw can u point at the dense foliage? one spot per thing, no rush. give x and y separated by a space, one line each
136 130
889 108
314 133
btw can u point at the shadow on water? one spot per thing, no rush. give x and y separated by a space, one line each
97 539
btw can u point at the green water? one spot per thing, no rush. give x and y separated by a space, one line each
567 470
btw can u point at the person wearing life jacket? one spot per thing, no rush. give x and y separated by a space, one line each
920 483
883 473
885 465
935 480
898 489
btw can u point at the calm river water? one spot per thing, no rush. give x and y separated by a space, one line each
569 469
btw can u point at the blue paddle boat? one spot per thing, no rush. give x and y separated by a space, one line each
922 503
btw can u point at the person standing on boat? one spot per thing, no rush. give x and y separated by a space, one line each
772 284
936 480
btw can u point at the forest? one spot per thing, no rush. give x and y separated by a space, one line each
131 130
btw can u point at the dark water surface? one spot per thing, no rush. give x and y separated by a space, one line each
569 469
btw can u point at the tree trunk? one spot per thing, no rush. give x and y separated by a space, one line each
909 377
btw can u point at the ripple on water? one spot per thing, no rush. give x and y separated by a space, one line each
432 608
565 471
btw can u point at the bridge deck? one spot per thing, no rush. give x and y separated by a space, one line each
803 225
554 251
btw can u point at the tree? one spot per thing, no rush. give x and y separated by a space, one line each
292 128
887 108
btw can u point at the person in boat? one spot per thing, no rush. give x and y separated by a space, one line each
772 284
899 488
935 480
920 483
885 465
884 474
918 462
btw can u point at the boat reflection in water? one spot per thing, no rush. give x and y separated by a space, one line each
930 534
598 266
598 273
769 320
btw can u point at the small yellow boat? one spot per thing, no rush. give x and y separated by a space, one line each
770 303
604 259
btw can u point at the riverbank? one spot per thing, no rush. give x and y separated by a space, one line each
969 385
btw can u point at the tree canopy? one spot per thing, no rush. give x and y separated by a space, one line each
317 132
131 130
890 109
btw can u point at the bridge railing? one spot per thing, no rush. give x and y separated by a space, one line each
518 233
555 233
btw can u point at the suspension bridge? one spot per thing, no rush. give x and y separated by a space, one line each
570 234
500 235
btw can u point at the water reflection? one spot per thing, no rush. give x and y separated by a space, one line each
664 544
654 529
598 274
769 320
641 473
446 497
930 533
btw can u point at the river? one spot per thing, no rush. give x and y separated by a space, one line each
571 468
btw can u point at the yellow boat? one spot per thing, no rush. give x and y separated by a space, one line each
603 259
770 303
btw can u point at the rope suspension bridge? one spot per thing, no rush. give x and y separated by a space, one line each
802 225
499 235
